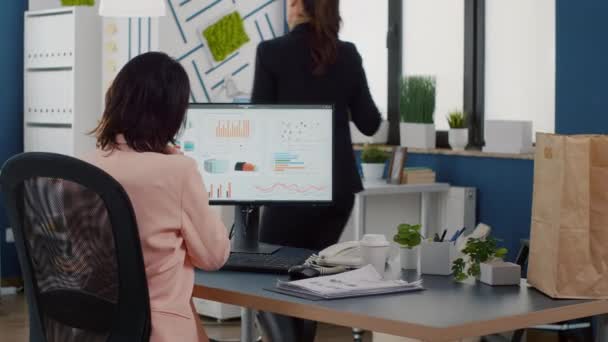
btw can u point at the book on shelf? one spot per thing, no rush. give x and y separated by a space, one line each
418 176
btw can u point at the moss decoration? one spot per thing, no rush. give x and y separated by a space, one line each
78 2
226 36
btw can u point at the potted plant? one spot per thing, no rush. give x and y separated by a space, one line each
417 106
373 163
409 238
477 252
459 134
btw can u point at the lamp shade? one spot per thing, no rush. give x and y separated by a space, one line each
132 8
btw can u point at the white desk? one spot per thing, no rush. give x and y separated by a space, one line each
380 189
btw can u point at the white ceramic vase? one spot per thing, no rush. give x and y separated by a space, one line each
373 172
458 138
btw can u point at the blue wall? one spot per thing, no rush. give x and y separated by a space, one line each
582 66
11 105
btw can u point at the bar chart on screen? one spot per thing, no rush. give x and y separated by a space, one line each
286 161
220 191
233 129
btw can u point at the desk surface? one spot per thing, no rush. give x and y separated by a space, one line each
445 311
382 188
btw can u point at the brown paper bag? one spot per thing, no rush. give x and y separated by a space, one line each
569 237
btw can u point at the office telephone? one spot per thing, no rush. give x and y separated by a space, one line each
347 254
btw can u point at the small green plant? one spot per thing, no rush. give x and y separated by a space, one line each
374 155
417 99
456 119
477 251
408 235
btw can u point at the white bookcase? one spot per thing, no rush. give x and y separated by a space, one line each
62 79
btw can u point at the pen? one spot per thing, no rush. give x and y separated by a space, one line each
455 235
436 239
458 233
445 231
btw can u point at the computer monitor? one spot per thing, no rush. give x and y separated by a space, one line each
252 155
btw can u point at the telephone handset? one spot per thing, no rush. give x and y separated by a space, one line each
342 254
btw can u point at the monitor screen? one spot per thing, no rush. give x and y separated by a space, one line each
251 154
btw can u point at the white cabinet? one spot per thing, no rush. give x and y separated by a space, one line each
62 79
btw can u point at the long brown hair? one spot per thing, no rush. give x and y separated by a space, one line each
325 20
146 103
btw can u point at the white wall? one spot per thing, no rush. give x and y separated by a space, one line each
365 23
433 44
520 61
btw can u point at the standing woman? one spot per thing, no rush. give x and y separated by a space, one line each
310 65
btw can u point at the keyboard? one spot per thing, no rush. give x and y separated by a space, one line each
278 263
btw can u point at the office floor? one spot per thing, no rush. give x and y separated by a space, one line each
13 325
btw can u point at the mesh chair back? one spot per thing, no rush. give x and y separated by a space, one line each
79 250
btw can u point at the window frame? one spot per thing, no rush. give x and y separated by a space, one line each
474 69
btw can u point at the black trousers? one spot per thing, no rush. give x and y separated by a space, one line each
306 226
302 227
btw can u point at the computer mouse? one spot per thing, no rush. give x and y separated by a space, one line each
302 272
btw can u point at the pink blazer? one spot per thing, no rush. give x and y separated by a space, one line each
178 232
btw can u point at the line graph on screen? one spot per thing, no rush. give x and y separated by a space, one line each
291 188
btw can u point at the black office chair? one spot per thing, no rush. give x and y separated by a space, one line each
79 250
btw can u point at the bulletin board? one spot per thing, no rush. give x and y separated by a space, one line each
221 68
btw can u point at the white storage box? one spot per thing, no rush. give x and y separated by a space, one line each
505 136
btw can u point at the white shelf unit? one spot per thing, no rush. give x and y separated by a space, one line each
62 79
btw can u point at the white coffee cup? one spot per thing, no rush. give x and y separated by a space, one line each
374 251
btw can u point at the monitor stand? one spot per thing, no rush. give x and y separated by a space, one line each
247 232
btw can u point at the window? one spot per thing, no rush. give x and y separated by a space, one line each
520 62
442 38
433 44
365 24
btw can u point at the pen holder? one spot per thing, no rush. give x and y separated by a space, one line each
436 258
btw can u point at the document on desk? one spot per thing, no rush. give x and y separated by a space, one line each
362 282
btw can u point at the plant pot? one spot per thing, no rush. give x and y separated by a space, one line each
458 138
500 273
373 172
417 135
410 258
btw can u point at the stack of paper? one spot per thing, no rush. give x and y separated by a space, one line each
362 282
418 176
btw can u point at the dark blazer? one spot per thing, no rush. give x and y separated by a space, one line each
284 75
